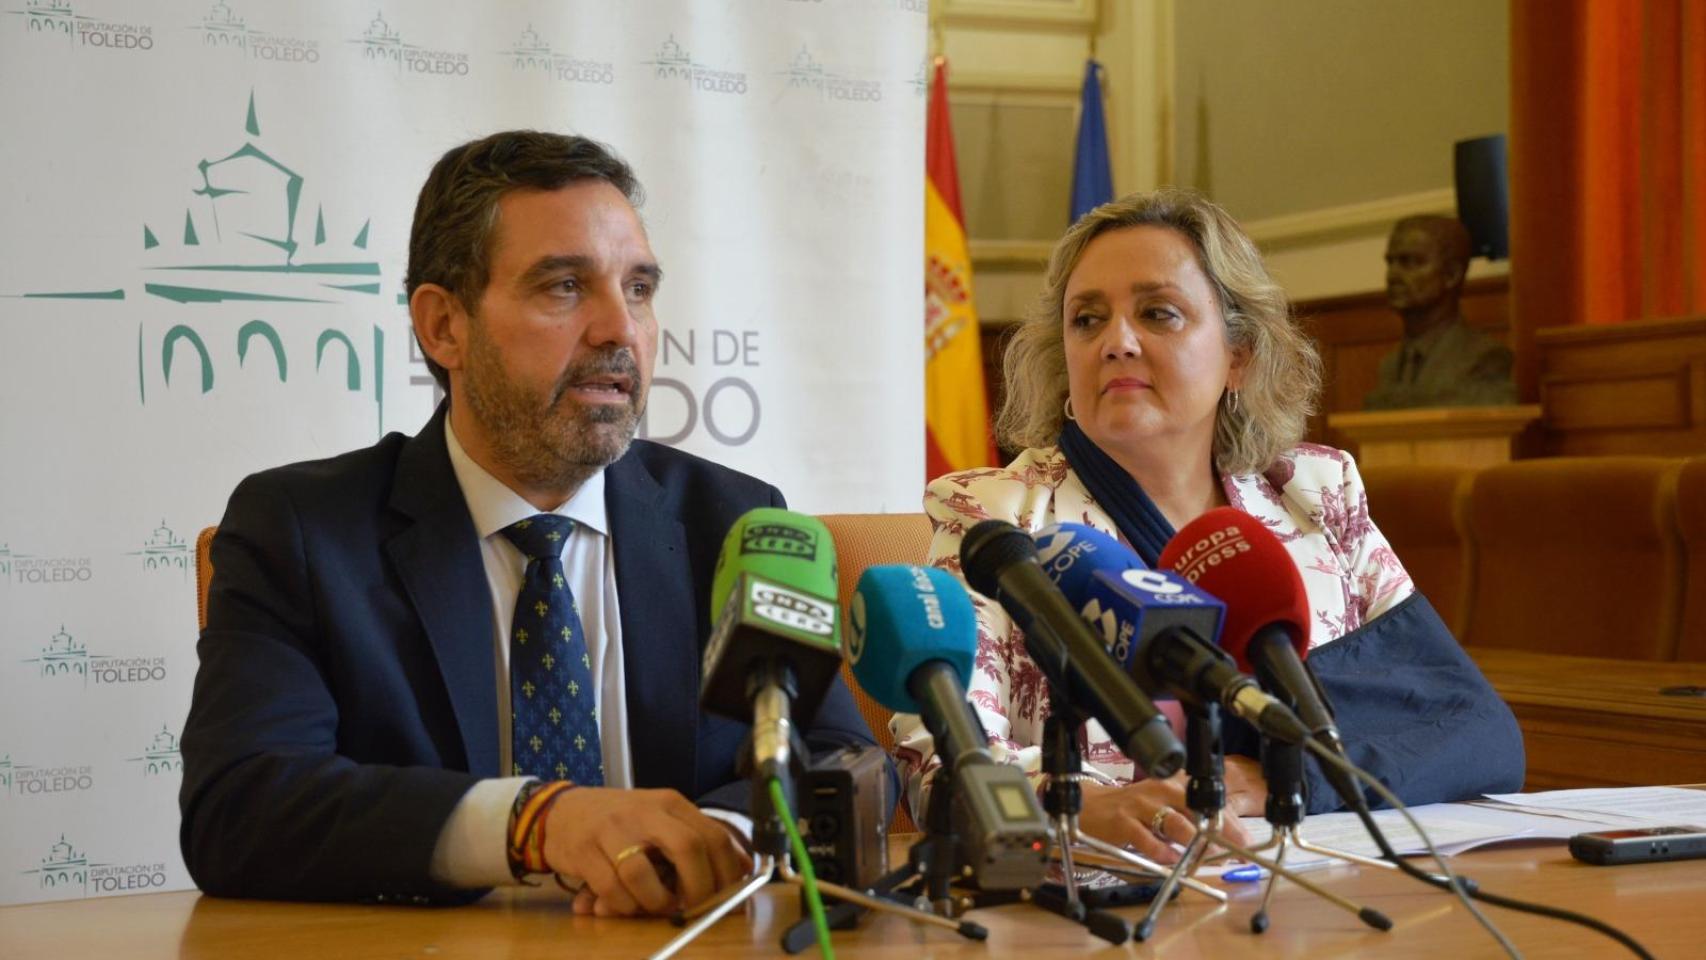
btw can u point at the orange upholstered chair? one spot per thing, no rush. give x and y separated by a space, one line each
1420 509
1577 555
203 574
1691 520
869 539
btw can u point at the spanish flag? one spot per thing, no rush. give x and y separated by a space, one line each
956 414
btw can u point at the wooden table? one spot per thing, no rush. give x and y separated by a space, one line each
1593 722
1661 905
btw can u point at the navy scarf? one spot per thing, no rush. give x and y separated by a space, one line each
1122 498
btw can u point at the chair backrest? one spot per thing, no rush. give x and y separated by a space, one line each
863 540
1691 520
203 573
1419 509
1577 555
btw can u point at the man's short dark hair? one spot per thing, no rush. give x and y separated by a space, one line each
450 243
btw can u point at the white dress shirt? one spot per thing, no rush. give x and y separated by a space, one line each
471 850
471 847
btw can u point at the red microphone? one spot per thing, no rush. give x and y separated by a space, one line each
1266 627
1233 556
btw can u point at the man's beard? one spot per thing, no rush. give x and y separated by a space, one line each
552 442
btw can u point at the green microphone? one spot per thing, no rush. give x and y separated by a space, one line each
784 545
775 645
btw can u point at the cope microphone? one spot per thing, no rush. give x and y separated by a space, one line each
775 645
1162 629
911 640
1232 555
1000 562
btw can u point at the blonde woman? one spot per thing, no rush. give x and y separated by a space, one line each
1162 375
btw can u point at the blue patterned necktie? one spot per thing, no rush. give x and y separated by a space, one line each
553 706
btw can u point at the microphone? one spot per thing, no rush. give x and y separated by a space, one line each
1231 554
775 541
1000 562
911 641
1162 629
775 645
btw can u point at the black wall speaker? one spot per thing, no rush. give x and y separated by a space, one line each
1483 194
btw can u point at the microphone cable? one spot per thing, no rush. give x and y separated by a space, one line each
808 876
1465 888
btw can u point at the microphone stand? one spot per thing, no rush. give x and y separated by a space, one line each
933 858
1205 794
770 844
1282 766
1063 800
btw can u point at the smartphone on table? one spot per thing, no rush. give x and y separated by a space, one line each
1606 848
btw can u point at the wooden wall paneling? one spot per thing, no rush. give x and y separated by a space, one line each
1628 388
1355 331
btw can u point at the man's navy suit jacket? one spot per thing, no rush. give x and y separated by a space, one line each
347 693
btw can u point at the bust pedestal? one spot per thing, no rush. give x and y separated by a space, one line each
1455 436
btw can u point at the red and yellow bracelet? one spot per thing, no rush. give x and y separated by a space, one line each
526 846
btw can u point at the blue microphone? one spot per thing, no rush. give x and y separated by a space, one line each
1164 629
911 641
1070 552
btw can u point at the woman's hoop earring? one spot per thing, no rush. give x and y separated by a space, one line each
1232 401
1067 409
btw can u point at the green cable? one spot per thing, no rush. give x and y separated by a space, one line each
813 901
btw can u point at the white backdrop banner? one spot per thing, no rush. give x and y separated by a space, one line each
205 210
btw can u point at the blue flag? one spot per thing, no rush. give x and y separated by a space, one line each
1092 178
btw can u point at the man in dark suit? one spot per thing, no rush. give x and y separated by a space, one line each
413 650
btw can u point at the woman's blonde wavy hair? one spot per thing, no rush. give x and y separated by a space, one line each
1282 381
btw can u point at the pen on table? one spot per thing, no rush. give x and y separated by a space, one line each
1247 874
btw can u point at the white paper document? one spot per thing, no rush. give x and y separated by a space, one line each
1453 827
1614 806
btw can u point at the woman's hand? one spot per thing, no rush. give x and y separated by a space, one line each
1151 815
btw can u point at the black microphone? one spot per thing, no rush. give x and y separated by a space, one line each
1000 561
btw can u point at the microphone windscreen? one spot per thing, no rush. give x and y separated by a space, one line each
1233 556
901 617
990 547
1072 553
794 549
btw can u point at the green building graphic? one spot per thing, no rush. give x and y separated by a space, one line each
531 52
164 550
49 17
162 756
223 28
380 43
65 867
63 656
248 238
672 61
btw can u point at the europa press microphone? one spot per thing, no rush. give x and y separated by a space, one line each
1266 628
911 640
1162 629
775 644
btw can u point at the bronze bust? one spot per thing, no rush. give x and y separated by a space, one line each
1442 361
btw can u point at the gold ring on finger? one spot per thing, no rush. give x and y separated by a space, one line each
627 852
1158 821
